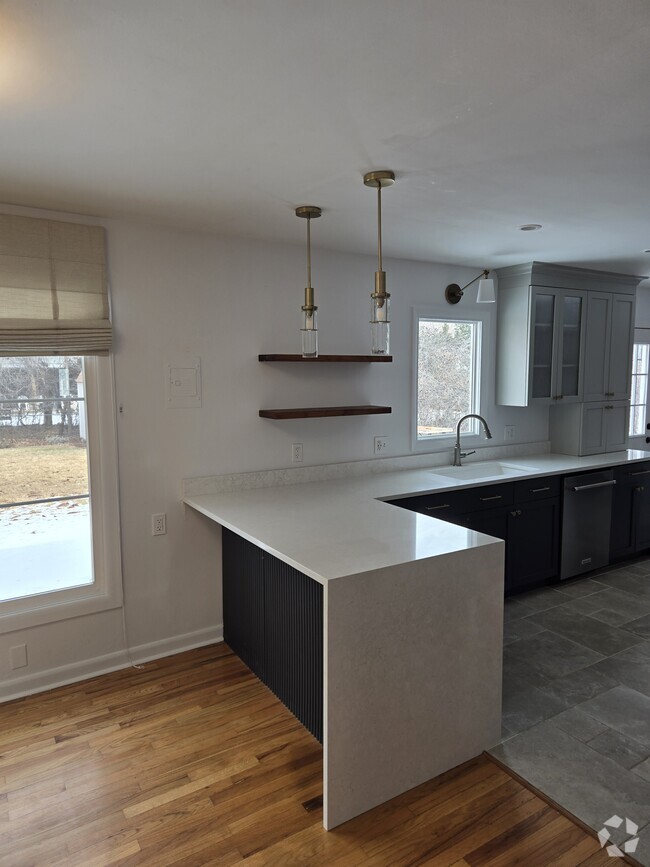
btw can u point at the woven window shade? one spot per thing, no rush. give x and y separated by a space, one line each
53 288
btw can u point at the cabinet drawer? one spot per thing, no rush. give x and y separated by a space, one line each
537 489
633 473
442 505
490 496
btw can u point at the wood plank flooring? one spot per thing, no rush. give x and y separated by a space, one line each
192 761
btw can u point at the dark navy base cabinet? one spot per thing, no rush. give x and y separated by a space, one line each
525 514
273 620
631 511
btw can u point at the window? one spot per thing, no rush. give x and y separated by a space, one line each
448 376
45 534
59 529
639 400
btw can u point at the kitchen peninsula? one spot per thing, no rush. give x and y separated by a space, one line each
412 611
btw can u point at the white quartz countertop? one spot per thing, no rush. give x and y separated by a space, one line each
331 529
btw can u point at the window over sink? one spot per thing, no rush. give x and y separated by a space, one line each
448 376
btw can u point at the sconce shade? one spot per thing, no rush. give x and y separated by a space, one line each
486 294
454 292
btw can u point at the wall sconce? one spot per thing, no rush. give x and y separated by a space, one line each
486 294
380 310
309 328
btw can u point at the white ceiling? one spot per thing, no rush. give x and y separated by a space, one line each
226 114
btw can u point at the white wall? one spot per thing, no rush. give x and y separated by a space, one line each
177 293
643 306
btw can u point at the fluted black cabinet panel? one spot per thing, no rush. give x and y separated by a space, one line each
243 600
273 620
294 642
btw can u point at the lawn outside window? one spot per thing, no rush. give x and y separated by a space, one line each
448 377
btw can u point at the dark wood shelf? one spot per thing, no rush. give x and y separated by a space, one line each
323 411
327 358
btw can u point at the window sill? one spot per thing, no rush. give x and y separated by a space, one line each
442 443
52 608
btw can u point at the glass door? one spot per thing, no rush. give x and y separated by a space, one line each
543 333
569 370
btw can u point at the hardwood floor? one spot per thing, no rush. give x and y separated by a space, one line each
192 761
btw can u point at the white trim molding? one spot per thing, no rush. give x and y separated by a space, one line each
79 671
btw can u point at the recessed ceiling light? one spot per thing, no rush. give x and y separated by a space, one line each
646 251
530 227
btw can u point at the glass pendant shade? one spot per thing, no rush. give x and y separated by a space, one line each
486 293
380 325
309 334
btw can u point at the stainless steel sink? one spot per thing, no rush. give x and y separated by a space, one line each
484 470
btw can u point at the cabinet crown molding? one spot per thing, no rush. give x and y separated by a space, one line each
558 276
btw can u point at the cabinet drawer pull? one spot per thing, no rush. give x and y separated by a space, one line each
487 499
433 508
640 473
608 484
538 490
609 406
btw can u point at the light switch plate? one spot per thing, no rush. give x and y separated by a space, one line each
183 383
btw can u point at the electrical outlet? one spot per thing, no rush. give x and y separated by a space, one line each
381 445
159 524
509 432
18 656
296 453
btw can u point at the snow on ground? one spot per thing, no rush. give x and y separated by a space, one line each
44 547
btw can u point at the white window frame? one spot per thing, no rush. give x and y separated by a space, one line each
106 590
482 366
641 335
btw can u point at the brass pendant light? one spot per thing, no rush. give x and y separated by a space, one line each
309 329
380 310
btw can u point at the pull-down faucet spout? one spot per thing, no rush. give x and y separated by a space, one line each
458 455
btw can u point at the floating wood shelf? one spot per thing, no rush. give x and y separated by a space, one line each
327 358
323 411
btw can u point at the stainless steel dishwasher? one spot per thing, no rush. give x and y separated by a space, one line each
586 521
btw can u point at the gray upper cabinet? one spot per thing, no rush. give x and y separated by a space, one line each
608 346
561 337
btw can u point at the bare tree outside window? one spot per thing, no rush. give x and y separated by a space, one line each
447 385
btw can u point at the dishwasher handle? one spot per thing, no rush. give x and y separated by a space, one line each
591 487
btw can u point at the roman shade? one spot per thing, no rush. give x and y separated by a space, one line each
53 288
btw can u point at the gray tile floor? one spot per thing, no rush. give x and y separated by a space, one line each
576 696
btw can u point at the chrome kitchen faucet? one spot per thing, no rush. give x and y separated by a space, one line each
457 452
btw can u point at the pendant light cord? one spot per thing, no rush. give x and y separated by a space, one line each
379 224
309 252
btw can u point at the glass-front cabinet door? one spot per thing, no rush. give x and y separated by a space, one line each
557 336
543 341
571 310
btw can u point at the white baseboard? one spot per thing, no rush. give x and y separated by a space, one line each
77 671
